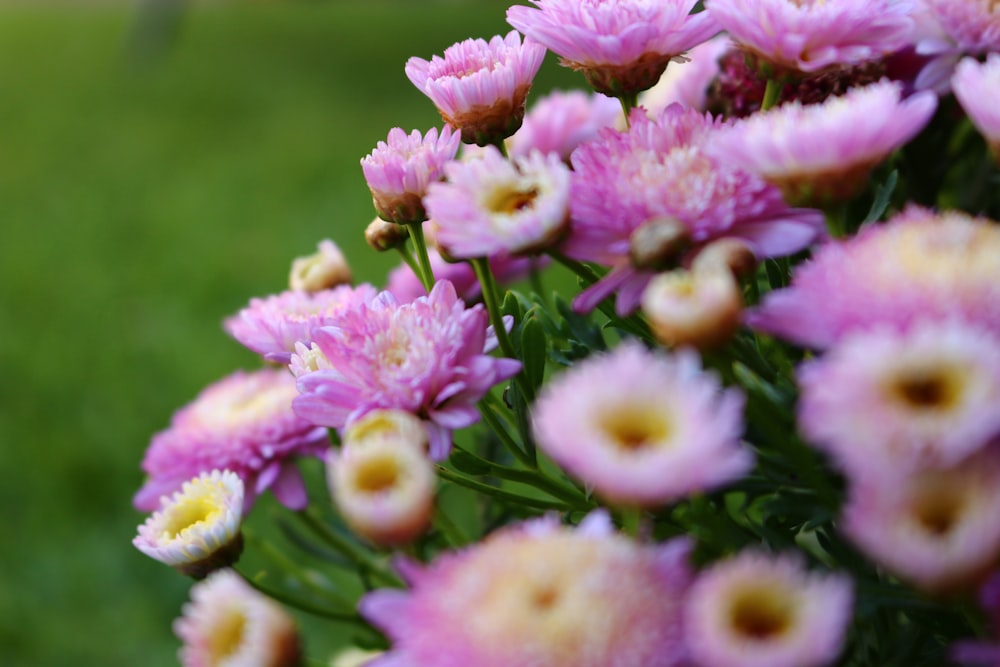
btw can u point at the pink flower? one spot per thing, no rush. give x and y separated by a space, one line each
756 610
243 423
273 325
950 29
811 35
859 129
406 286
400 168
229 623
641 428
661 169
427 357
561 121
687 85
491 206
977 87
918 265
905 401
936 528
479 87
622 46
539 594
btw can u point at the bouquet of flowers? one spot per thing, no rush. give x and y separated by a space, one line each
762 433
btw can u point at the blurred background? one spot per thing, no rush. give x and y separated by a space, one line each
160 164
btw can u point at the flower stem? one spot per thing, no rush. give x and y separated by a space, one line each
361 557
426 274
489 490
410 262
629 102
771 93
493 421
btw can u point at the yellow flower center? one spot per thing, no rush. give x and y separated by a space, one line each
927 389
227 636
377 474
634 428
510 201
190 513
938 508
761 614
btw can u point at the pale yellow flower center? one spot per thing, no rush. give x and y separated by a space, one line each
190 513
926 389
939 507
226 637
634 428
377 474
509 201
761 614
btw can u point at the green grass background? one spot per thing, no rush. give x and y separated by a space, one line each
141 201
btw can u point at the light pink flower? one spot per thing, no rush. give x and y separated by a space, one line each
480 87
926 397
622 46
491 206
400 168
757 610
561 121
918 265
641 428
977 87
273 325
243 423
687 85
229 623
936 528
949 29
810 35
427 357
661 169
539 594
406 286
859 130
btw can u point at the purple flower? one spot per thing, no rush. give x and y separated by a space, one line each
479 87
400 168
273 325
561 121
949 29
641 428
243 423
490 206
622 46
427 357
539 594
977 87
812 35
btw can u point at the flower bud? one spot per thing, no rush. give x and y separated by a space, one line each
658 242
323 270
731 254
397 425
382 235
700 309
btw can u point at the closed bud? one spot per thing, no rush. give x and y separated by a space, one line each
382 235
658 243
323 270
397 425
700 309
730 254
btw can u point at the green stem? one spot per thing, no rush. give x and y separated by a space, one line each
426 274
771 93
302 605
361 557
835 219
515 498
535 477
410 262
291 568
629 102
631 521
492 420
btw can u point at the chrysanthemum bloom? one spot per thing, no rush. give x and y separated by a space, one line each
243 423
936 528
480 87
925 397
918 265
383 486
621 46
490 205
697 308
325 269
758 610
229 623
687 85
949 29
660 169
400 168
810 35
976 652
198 529
561 121
977 87
427 357
543 595
394 425
642 428
859 130
273 325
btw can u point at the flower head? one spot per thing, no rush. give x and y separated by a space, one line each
229 623
697 308
810 35
243 423
198 529
859 129
950 29
622 46
904 400
325 269
755 610
480 87
400 168
272 326
561 121
427 357
491 206
643 429
543 595
918 265
977 87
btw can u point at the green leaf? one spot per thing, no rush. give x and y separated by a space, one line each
468 463
534 348
882 196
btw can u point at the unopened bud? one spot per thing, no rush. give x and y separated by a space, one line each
700 309
323 270
658 242
730 254
397 425
382 235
